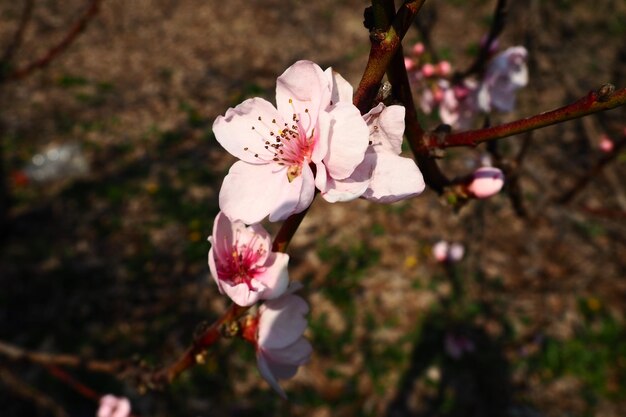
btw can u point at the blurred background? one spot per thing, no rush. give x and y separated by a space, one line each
114 175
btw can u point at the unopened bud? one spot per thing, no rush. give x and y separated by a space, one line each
418 49
444 68
487 182
409 64
428 70
440 250
606 144
456 252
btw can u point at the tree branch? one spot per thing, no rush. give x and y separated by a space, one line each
602 99
77 28
384 44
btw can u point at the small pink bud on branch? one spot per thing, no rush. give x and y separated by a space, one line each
487 181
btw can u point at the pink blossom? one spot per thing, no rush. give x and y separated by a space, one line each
281 346
456 103
459 107
111 406
409 64
507 72
242 264
440 250
428 70
384 176
456 252
487 181
606 144
448 252
418 49
457 345
278 146
428 101
444 68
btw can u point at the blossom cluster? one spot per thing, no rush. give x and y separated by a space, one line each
313 140
460 100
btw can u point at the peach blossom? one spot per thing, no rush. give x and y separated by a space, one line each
278 146
242 263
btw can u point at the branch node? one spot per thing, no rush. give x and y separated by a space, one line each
378 36
230 329
605 92
200 330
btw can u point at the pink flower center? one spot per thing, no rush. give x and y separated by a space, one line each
243 263
288 144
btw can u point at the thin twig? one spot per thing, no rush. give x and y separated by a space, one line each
76 29
497 26
28 392
72 382
18 354
18 36
569 195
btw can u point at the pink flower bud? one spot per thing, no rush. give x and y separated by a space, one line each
418 49
438 94
440 250
448 252
111 406
460 91
606 144
428 70
487 182
444 68
409 64
456 252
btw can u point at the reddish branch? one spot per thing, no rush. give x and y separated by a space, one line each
605 98
76 29
193 355
384 45
72 382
